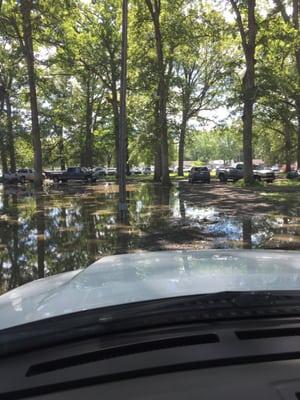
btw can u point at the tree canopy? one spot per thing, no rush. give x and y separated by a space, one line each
206 80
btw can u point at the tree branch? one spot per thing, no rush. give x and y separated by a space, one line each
279 4
240 24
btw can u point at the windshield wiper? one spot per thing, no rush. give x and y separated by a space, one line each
149 314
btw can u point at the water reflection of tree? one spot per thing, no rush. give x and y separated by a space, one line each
247 233
14 250
4 238
40 228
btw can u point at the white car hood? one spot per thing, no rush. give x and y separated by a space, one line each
144 276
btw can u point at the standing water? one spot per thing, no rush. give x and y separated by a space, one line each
68 227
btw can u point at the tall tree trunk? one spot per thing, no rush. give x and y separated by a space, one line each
88 151
296 10
248 36
115 109
122 155
298 131
157 144
3 154
288 147
10 135
181 144
162 91
157 163
61 147
294 22
164 133
249 94
26 7
247 139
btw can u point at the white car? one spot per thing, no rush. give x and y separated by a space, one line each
146 170
99 171
25 174
135 170
111 171
163 325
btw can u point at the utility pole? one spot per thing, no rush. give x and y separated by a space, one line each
123 117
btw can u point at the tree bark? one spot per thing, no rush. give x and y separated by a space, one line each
115 108
181 145
3 152
288 147
157 163
3 155
122 155
294 21
10 135
248 37
61 148
26 7
88 149
162 91
296 10
157 144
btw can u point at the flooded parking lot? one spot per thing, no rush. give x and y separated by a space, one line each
69 226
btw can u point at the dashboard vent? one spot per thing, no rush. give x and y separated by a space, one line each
267 333
120 351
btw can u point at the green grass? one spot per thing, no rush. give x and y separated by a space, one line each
287 182
256 184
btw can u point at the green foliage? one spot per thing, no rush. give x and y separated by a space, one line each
77 47
219 144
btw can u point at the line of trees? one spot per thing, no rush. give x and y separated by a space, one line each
188 61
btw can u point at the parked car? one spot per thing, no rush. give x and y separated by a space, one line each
99 172
20 176
199 174
293 174
25 174
263 173
11 177
233 173
72 173
236 172
135 171
276 169
111 171
146 170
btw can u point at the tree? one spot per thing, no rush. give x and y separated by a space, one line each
248 32
154 7
27 46
293 22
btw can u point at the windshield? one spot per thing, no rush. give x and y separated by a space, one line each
142 127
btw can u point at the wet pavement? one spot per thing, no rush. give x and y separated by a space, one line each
69 226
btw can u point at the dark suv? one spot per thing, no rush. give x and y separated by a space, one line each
199 174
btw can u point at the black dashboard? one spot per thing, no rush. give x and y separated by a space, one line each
225 360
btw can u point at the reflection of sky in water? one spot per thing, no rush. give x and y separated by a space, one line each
196 213
232 229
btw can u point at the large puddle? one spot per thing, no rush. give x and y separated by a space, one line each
68 227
